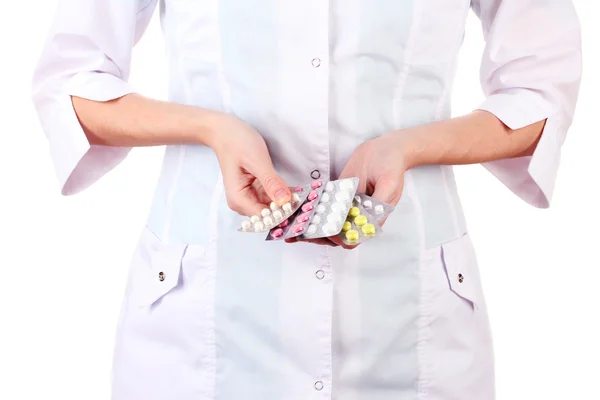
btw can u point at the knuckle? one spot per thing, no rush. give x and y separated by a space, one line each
233 205
270 182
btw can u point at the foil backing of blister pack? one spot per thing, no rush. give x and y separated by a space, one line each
332 209
359 227
274 215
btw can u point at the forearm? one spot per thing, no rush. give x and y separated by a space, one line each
474 138
134 120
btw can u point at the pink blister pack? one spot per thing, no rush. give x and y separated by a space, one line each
280 231
302 220
275 215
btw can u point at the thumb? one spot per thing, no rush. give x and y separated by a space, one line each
388 189
274 185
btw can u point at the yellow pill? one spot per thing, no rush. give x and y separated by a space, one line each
352 235
347 226
369 229
360 220
354 212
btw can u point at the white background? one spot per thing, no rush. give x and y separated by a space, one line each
63 261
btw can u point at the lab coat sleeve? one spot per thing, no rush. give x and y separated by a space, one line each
531 71
87 54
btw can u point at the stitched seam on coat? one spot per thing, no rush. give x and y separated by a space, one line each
424 320
171 195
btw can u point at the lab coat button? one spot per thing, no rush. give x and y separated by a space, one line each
316 174
316 62
461 278
161 276
320 274
318 385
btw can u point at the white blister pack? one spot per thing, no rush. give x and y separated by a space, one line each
332 209
274 215
376 208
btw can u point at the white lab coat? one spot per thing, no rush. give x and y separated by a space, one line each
402 316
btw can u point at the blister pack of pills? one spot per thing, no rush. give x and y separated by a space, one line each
274 215
332 209
304 216
359 226
280 231
376 208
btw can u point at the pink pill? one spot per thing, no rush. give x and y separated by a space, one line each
298 229
316 184
284 223
277 233
298 189
303 218
312 195
308 207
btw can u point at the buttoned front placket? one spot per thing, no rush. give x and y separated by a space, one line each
319 42
305 56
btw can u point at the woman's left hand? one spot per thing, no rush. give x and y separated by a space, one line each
380 164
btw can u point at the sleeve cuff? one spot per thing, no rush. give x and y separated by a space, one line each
77 163
532 178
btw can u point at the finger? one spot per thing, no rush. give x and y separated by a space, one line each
388 189
243 201
319 241
351 170
339 242
274 185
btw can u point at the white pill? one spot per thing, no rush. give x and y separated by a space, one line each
268 221
295 198
287 207
338 207
320 209
316 219
368 204
265 212
347 184
312 229
254 219
246 225
357 199
335 217
325 198
342 196
273 206
379 209
259 226
329 187
330 228
278 215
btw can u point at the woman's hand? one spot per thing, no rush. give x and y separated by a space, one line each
249 177
380 164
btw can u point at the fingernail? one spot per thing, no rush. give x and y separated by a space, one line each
281 196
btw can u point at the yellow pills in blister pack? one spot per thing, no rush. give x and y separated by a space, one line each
359 226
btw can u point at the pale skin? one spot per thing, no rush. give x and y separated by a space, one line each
249 177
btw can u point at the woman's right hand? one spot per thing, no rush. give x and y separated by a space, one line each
249 177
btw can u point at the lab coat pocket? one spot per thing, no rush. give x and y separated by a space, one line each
157 269
456 350
460 265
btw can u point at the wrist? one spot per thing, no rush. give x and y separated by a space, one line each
210 126
409 145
